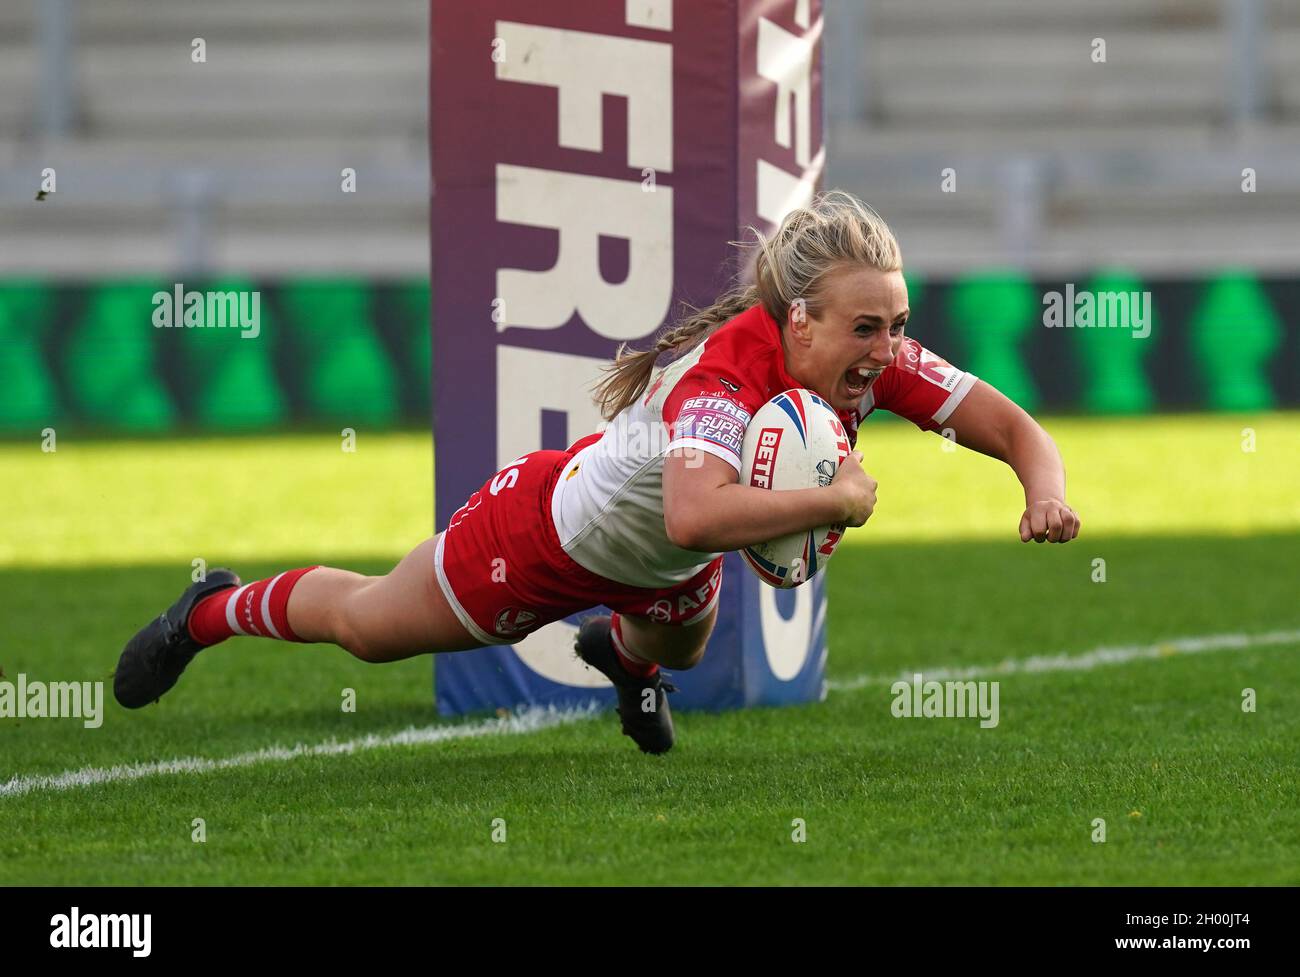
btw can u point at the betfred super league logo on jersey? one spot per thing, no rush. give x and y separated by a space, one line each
714 419
717 405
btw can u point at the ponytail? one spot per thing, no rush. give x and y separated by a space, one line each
629 374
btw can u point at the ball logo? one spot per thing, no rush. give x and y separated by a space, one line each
514 620
769 443
826 468
825 472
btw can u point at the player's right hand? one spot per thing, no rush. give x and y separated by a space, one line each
857 490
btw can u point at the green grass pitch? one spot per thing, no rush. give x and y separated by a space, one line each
1199 537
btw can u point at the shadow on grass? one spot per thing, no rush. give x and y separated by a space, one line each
892 606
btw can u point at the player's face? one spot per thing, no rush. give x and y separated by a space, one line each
857 333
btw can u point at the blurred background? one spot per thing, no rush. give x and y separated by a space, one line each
133 457
1124 173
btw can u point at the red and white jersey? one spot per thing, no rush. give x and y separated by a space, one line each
608 502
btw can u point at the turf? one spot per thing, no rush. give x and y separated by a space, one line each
1197 540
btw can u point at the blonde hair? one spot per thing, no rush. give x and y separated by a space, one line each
835 228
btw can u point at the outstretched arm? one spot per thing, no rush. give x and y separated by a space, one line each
994 425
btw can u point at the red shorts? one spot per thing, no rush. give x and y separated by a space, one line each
501 566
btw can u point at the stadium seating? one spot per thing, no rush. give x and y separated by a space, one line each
235 163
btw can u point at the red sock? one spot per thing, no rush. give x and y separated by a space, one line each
634 666
259 609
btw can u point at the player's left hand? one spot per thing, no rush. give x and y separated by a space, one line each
1049 520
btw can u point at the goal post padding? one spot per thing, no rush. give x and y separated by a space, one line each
590 165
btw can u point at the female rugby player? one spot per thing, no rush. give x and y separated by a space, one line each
637 517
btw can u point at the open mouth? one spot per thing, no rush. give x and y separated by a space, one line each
857 380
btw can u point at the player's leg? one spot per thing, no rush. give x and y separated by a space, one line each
380 619
628 649
674 646
668 627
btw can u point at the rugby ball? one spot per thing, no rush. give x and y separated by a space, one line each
794 441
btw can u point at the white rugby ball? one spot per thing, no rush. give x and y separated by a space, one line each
794 441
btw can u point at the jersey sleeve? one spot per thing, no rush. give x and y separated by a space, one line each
702 413
920 386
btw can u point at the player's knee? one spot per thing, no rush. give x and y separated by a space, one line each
680 659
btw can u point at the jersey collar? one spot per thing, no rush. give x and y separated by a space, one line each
773 331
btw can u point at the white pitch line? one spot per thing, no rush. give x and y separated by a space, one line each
1117 655
531 720
535 719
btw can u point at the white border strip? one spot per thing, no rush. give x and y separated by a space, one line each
530 720
1116 655
470 624
955 398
